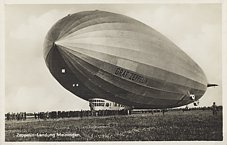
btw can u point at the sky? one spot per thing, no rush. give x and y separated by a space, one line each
29 86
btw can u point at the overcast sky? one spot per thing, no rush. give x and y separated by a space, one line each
195 28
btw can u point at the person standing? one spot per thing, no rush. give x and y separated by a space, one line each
214 108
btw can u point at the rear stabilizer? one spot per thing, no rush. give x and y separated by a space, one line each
212 85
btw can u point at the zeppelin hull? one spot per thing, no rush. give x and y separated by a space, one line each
114 57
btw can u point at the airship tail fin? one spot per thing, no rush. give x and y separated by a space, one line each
212 85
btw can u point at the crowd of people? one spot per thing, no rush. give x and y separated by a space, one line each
87 113
65 114
16 116
82 113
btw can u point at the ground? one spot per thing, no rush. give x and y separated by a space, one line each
172 126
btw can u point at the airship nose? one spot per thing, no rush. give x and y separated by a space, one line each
56 43
51 41
48 45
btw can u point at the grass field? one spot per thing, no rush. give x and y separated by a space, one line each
173 126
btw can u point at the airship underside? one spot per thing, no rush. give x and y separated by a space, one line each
98 54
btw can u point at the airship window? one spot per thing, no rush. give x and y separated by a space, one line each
63 70
75 85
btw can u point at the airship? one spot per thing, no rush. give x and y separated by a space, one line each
99 54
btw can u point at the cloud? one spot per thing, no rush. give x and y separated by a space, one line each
41 98
29 84
24 55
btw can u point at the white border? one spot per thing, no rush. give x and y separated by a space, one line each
106 1
2 72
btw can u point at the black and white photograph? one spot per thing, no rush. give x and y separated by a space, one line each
112 72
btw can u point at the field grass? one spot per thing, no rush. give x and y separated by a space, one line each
173 126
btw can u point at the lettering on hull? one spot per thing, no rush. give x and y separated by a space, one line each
130 75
